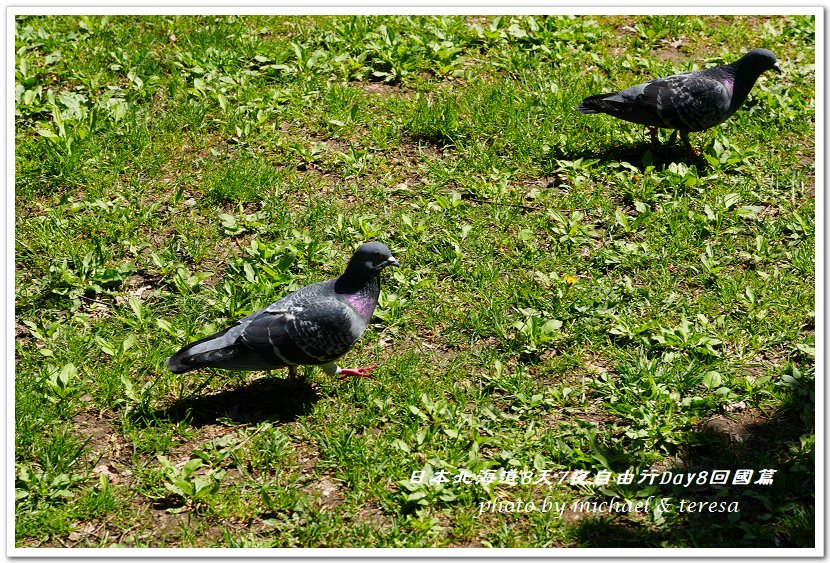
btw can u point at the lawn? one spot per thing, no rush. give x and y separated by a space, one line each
581 321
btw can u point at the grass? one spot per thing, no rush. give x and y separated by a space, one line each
570 298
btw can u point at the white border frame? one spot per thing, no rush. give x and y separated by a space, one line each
482 7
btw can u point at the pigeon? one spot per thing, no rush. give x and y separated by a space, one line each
686 102
315 325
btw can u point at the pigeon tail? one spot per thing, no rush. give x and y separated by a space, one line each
184 361
229 357
188 358
177 365
592 104
181 363
220 350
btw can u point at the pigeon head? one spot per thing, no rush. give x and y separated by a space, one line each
373 256
758 61
368 260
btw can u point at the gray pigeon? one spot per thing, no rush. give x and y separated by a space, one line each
689 101
315 325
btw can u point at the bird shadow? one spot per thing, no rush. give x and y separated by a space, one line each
643 154
265 399
750 439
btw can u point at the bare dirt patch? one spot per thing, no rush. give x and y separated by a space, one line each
372 515
385 89
326 491
112 451
738 427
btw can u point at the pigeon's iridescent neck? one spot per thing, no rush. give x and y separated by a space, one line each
730 85
364 305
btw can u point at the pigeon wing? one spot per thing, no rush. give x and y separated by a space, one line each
306 332
689 101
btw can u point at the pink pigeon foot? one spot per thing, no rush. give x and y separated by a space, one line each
684 136
357 372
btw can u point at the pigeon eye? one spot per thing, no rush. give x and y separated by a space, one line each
377 256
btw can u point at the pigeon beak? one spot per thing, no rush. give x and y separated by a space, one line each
391 261
777 68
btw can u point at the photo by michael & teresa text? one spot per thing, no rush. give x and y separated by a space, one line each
608 506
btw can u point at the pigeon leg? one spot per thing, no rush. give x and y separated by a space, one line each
334 369
653 132
684 136
356 372
292 375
